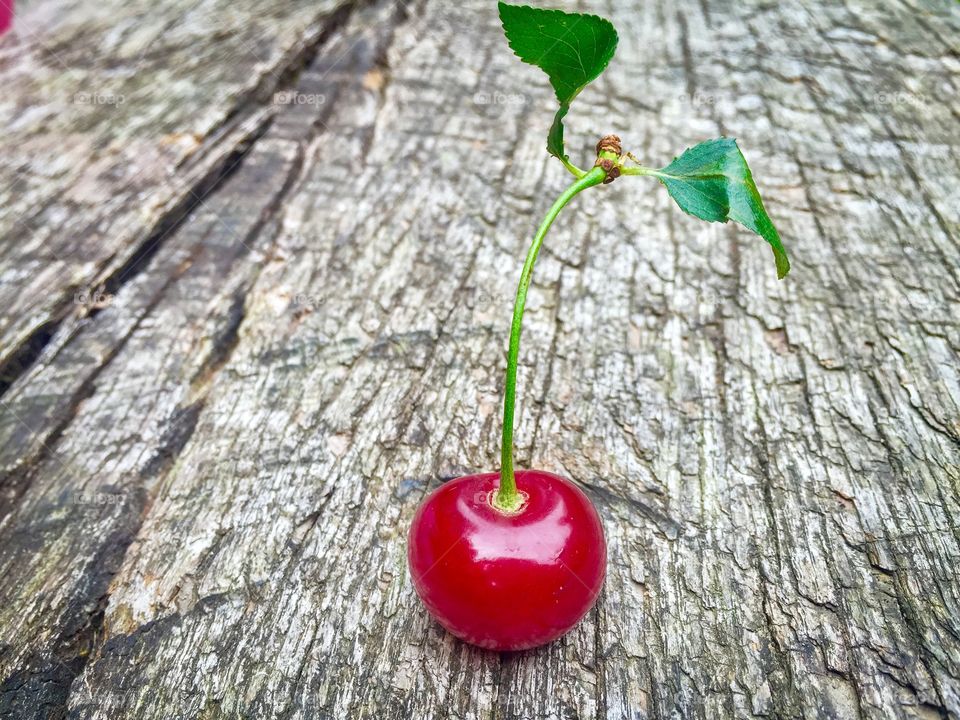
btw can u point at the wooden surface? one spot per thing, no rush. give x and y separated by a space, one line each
257 261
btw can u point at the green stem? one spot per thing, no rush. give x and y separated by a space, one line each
507 497
641 170
574 170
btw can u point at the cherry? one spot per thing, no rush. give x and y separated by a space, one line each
507 580
6 15
510 565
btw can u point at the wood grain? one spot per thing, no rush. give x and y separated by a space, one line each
235 363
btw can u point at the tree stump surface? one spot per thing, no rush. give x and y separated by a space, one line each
257 266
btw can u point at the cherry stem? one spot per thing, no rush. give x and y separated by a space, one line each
507 498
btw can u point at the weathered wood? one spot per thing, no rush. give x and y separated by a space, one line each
117 119
208 479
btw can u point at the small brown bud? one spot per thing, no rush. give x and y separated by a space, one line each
610 143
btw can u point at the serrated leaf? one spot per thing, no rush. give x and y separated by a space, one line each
712 181
571 48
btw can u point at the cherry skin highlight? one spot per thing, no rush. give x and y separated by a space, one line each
507 581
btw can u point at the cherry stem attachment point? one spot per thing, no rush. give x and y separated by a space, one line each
507 498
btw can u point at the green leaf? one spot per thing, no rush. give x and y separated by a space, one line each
712 181
555 136
571 48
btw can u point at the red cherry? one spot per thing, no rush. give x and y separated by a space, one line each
507 581
6 15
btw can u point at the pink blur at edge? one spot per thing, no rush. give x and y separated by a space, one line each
6 15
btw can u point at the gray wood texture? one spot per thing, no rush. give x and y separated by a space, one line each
257 262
